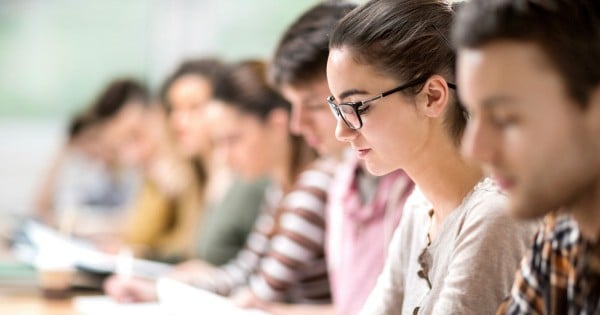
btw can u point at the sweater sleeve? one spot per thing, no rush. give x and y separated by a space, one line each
226 227
298 242
148 217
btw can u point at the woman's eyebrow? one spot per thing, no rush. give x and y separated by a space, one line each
351 92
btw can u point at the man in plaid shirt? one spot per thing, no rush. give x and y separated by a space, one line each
529 75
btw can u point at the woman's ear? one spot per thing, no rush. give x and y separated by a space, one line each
433 98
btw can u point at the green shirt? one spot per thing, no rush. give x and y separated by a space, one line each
226 225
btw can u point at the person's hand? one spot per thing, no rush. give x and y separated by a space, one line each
130 290
246 299
106 244
190 270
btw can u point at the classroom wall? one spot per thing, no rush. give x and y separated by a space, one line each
55 56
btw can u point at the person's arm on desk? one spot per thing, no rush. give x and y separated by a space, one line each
190 270
125 290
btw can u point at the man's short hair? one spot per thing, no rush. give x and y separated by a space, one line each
302 52
567 31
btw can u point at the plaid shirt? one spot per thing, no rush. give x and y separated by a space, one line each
561 275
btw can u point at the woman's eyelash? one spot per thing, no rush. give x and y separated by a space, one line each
363 109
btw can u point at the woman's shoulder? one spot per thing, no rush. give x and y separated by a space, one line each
485 200
486 211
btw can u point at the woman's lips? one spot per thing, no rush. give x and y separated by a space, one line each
362 153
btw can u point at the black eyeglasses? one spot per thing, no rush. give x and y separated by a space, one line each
350 111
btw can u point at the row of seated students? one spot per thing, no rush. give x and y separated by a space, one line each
123 134
314 192
367 122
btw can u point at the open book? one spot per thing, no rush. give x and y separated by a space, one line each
78 253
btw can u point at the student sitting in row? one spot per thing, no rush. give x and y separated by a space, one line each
391 74
530 78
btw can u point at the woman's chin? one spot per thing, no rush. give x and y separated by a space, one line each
377 169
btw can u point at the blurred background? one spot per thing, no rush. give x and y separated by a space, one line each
55 56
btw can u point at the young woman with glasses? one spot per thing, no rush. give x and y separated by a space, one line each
362 210
390 71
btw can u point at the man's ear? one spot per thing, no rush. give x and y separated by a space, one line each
433 98
279 118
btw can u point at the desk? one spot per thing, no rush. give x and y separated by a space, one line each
24 297
32 303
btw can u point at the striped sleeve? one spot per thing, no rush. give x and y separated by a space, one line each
297 248
236 272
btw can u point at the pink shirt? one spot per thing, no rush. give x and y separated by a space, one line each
358 234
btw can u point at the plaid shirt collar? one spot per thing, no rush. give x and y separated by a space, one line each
559 275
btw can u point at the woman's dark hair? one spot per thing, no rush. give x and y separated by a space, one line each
567 31
206 68
79 123
302 52
406 40
115 96
244 87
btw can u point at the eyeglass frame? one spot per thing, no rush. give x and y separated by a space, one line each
335 108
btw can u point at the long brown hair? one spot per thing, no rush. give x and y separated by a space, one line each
205 68
115 96
208 69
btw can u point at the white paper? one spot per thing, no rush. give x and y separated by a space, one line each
78 253
103 305
182 299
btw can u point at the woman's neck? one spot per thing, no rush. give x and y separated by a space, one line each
444 177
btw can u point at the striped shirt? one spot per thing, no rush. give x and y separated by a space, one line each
285 261
561 274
